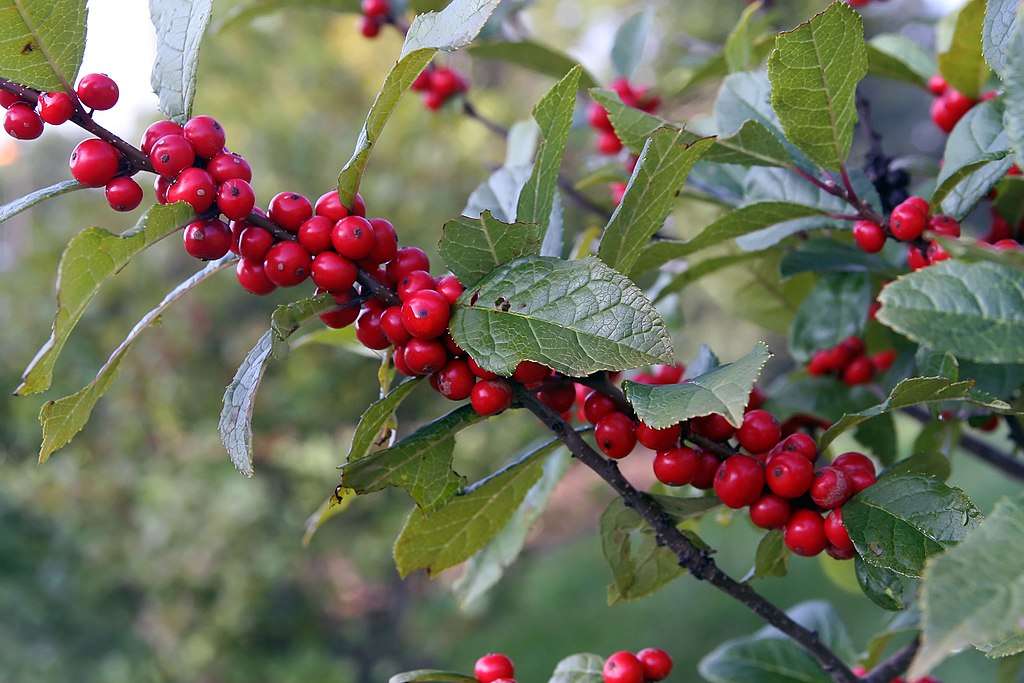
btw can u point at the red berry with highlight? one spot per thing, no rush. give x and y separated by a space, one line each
454 381
345 314
490 396
658 439
530 373
332 272
290 210
657 663
353 237
195 187
450 287
385 241
830 488
171 155
56 107
406 260
158 130
227 166
676 466
206 135
207 239
859 371
315 234
253 278
394 328
616 435
425 314
759 431
492 667
623 667
371 335
22 122
789 474
413 282
254 242
835 531
805 533
97 91
479 371
907 221
798 443
287 264
123 194
235 198
770 511
869 236
596 406
739 481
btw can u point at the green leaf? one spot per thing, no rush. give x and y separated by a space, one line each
973 593
739 48
997 33
42 42
90 258
474 247
714 68
772 556
885 588
894 56
836 308
814 70
757 292
961 61
533 56
577 317
452 28
1009 201
746 97
439 539
246 11
823 255
901 521
695 271
725 390
374 419
1013 82
974 161
639 565
486 568
431 676
235 425
629 42
878 435
928 463
12 209
65 417
554 117
974 310
910 392
421 463
650 196
180 25
745 220
581 668
903 623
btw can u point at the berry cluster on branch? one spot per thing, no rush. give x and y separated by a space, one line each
849 362
646 666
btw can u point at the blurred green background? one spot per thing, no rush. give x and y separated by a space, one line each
138 554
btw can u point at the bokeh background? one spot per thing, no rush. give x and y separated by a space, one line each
138 554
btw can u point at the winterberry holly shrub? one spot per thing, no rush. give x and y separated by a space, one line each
903 287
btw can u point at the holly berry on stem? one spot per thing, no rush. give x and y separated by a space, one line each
206 136
171 154
22 122
94 163
97 91
425 315
492 667
254 279
207 239
235 198
490 396
676 466
770 511
287 264
657 663
759 432
870 236
658 439
455 381
290 210
56 108
123 194
739 481
789 474
616 435
623 667
805 533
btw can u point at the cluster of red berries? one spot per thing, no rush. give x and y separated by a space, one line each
647 665
950 105
438 84
862 672
848 362
907 223
608 141
376 13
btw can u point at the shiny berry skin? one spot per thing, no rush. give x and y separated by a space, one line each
759 431
883 360
1006 244
56 107
227 166
479 371
194 186
597 117
853 345
94 162
171 155
290 210
254 242
859 371
668 374
207 239
789 474
332 272
944 225
798 443
394 329
713 426
425 314
907 223
739 481
160 187
623 667
344 315
706 470
608 143
414 282
937 85
820 363
942 115
805 533
398 358
253 278
559 396
658 439
490 396
8 98
492 667
123 194
596 406
287 264
835 530
454 381
450 286
370 335
158 130
916 260
869 236
860 480
369 27
353 237
22 122
379 9
329 205
852 461
425 356
385 241
97 91
206 135
830 488
770 511
445 82
936 252
235 198
315 234
406 260
657 663
615 435
530 373
676 466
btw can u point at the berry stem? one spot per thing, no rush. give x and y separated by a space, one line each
697 561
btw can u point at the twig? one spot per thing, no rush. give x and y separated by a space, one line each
895 665
1005 463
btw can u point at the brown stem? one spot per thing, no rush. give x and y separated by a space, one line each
895 665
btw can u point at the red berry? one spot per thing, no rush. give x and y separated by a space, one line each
608 143
287 264
870 236
369 27
171 155
254 242
290 210
398 358
853 345
739 481
315 234
756 399
805 533
123 194
937 85
371 335
492 667
759 431
713 426
22 122
616 435
332 272
406 260
906 222
8 98
1006 244
253 278
445 82
207 239
798 443
835 530
235 198
597 116
344 315
490 396
668 374
425 314
227 166
158 130
422 82
160 187
859 371
433 100
883 360
860 480
596 406
944 225
830 488
394 329
918 204
677 466
559 396
706 471
852 461
942 115
56 107
618 192
658 439
450 286
479 371
377 8
385 241
353 237
97 91
414 282
936 252
195 187
916 260
454 381
530 373
820 363
623 667
206 135
657 663
770 512
789 474
329 205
